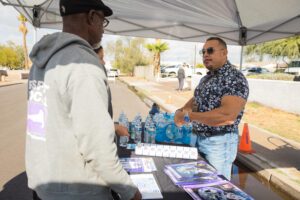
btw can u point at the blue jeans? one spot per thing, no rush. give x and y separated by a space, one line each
220 151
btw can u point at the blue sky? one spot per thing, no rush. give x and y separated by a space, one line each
179 51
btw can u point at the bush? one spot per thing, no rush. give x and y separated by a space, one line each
274 76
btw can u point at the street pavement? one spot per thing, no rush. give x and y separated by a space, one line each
276 159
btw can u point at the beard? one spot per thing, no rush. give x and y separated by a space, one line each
209 67
97 45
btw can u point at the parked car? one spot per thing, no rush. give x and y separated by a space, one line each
113 72
171 71
293 67
254 70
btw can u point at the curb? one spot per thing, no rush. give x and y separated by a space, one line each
11 84
275 175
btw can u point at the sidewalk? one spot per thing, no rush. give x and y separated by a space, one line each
276 159
13 78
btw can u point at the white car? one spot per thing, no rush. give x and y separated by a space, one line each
171 71
293 68
113 72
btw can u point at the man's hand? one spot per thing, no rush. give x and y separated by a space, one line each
121 130
137 196
179 118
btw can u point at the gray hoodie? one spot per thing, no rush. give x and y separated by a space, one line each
70 149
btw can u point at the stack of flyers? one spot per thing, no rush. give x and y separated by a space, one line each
138 165
218 191
198 172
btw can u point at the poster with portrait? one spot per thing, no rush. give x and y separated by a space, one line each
198 172
218 191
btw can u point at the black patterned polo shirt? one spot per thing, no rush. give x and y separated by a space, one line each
226 81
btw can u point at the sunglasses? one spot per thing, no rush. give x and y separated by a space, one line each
209 51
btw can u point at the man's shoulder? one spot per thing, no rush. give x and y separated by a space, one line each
234 71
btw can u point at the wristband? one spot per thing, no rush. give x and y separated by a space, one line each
187 117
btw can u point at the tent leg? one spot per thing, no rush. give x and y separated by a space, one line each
241 58
35 35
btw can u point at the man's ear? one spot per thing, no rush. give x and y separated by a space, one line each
91 17
225 52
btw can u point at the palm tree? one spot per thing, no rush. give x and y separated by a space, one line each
157 48
24 31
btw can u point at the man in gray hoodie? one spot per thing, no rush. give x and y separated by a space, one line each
70 149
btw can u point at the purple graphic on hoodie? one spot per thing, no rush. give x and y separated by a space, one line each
36 119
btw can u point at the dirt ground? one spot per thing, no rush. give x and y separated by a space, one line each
276 121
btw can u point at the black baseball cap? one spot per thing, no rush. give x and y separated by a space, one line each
69 7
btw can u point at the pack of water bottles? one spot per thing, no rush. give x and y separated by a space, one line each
158 127
168 132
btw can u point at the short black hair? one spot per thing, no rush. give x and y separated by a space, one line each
98 49
221 41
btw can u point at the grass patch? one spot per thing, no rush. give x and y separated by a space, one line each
276 121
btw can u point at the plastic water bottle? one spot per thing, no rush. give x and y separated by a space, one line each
132 130
123 121
146 128
138 132
151 133
137 128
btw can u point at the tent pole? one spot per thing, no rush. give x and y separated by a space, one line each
35 35
195 62
241 58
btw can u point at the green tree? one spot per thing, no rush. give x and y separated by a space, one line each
283 48
128 53
11 56
200 65
157 48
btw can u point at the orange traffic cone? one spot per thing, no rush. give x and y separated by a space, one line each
245 143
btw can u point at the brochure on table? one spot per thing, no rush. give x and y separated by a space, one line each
199 172
138 164
147 186
201 182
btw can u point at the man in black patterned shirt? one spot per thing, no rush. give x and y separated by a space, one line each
217 107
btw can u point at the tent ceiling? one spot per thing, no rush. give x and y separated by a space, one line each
186 20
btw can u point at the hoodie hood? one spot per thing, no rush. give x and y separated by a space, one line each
51 44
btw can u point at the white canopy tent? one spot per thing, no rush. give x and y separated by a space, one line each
238 22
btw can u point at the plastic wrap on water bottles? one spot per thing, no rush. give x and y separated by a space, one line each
167 131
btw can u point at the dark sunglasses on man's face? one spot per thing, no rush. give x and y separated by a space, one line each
209 51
